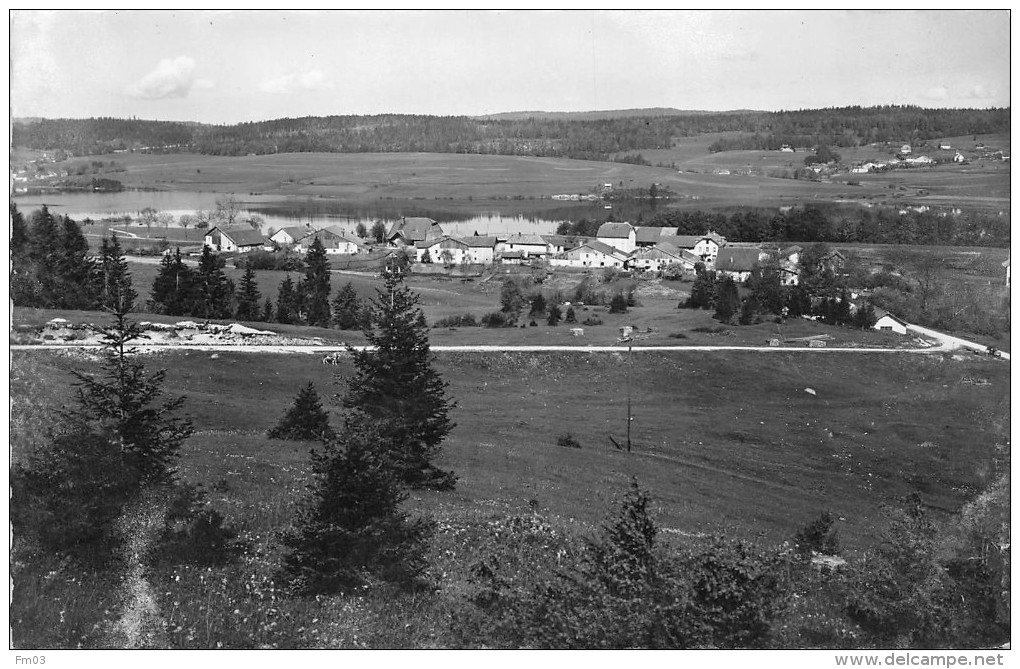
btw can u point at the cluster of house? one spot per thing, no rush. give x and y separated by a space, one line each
243 239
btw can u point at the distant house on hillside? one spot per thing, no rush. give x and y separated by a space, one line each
457 251
284 237
239 240
528 245
408 231
646 236
905 150
334 242
621 236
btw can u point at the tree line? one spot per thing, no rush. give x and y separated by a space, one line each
580 138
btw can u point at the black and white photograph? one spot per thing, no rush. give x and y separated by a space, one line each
450 330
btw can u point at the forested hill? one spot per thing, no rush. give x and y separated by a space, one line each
544 134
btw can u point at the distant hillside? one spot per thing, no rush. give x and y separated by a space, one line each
580 135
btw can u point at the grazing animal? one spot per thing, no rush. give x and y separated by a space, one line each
332 359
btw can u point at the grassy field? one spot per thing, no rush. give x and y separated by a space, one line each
725 442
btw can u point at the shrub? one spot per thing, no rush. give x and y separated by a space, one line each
567 441
677 335
194 534
618 305
592 320
498 319
306 420
818 536
459 321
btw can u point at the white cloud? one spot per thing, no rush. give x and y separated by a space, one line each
936 93
313 80
979 92
172 78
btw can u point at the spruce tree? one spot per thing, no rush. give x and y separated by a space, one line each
728 301
571 316
350 527
315 286
396 386
115 291
347 308
306 420
267 311
286 303
213 292
703 291
172 288
554 315
248 297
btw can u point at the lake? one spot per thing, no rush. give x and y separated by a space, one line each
457 218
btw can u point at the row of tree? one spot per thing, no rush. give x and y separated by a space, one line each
572 137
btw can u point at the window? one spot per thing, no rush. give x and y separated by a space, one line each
885 327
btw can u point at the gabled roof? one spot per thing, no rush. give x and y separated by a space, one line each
561 240
604 248
521 238
425 244
329 239
295 232
688 241
737 259
882 313
648 235
480 242
615 231
414 229
241 236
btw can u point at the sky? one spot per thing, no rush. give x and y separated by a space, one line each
249 65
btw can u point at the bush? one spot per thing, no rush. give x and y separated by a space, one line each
194 534
499 319
677 335
567 441
592 320
618 305
818 536
460 321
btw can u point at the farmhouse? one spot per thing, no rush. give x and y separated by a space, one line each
705 246
621 236
889 323
481 250
528 245
590 254
560 243
334 243
240 240
738 262
284 237
408 231
661 256
457 251
647 236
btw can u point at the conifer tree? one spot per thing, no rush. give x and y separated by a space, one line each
248 297
554 315
396 386
347 308
115 291
267 311
172 289
571 316
350 527
286 303
306 420
213 292
728 301
315 286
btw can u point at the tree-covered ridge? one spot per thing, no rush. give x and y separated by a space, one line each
581 136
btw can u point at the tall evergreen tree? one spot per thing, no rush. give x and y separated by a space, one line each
347 308
75 285
248 297
396 386
115 291
172 289
315 286
703 290
728 301
267 311
213 292
286 303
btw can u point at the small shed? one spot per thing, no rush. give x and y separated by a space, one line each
889 323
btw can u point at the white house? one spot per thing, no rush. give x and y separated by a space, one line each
333 242
528 245
481 250
239 240
706 246
590 254
621 236
888 323
284 237
659 257
457 251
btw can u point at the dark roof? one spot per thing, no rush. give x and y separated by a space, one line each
521 238
736 259
615 230
414 229
242 236
648 235
602 247
479 242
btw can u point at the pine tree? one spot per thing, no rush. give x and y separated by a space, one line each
315 286
396 386
350 527
286 303
537 304
347 308
248 297
703 291
554 315
267 311
115 291
115 441
306 420
618 305
213 292
728 301
571 316
172 289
